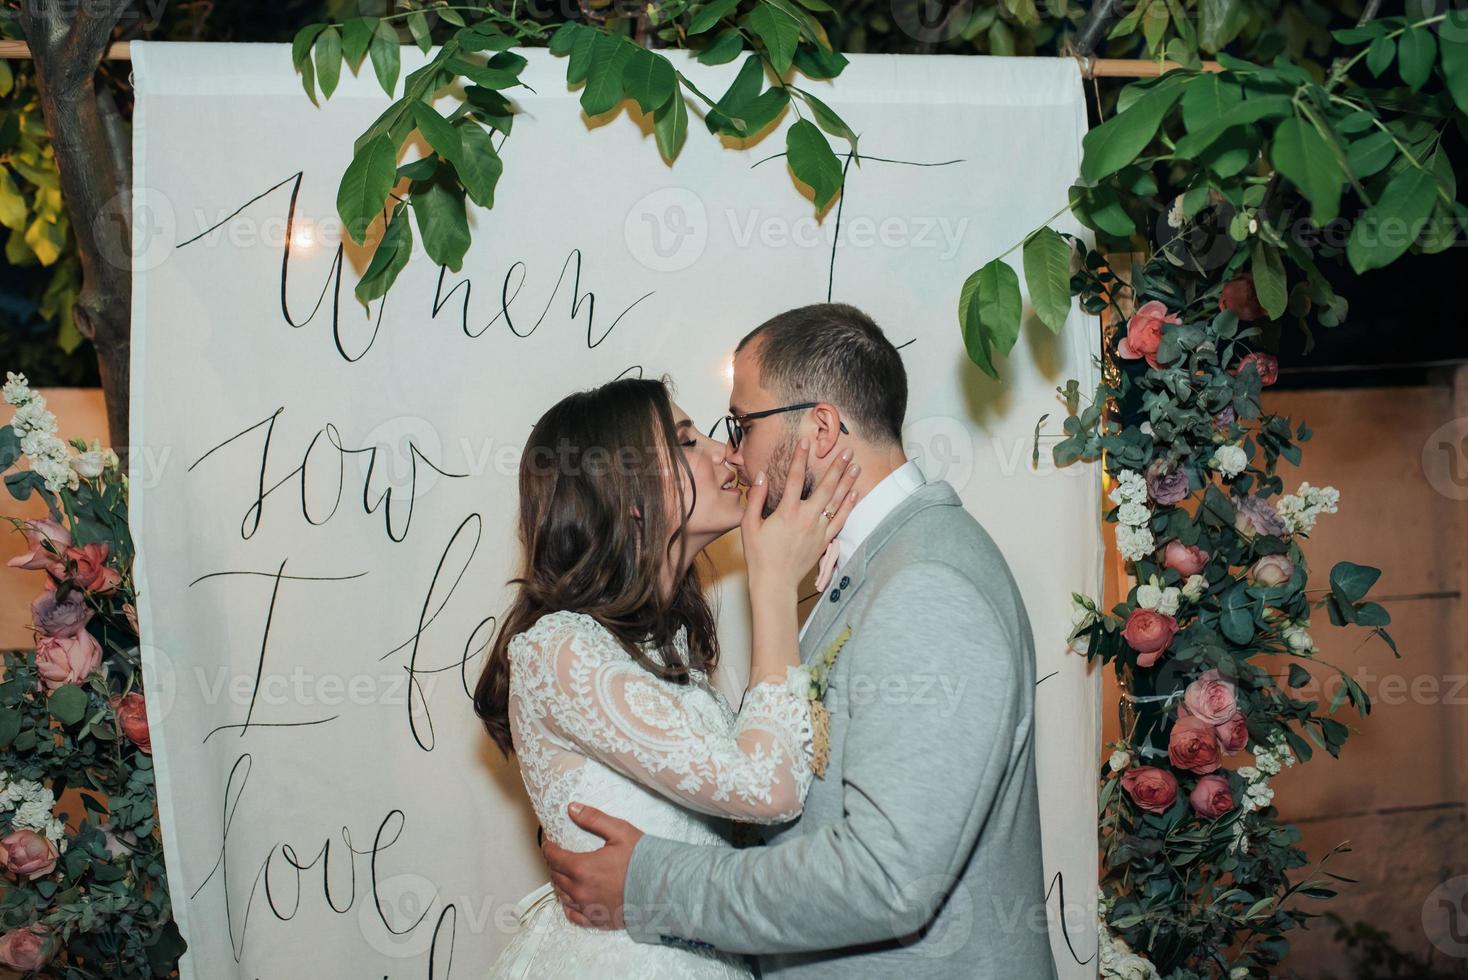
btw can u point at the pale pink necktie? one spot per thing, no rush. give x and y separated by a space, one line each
828 566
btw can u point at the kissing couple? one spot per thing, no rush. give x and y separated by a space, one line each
830 825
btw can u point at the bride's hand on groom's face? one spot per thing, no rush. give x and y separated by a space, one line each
781 548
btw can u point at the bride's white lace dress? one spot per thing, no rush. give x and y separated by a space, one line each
592 725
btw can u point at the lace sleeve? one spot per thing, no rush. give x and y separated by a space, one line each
674 738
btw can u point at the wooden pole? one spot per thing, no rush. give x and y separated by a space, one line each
1090 67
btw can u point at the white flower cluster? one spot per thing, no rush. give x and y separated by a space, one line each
32 804
1154 596
1268 761
1298 637
1118 960
1229 460
1241 837
1133 537
1194 587
800 681
36 427
1300 509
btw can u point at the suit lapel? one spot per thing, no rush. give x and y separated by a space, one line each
832 605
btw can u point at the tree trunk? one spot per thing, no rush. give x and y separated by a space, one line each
92 147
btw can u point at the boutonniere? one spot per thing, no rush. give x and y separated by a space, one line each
810 681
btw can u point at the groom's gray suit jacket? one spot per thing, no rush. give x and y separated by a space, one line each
918 854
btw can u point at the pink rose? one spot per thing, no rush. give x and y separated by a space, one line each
1187 559
28 853
1239 296
47 541
1152 789
1233 735
1210 699
1194 746
92 571
28 948
132 718
67 659
1149 632
1211 798
67 617
1271 570
1144 332
1266 364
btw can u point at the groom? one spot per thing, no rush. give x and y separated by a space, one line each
918 853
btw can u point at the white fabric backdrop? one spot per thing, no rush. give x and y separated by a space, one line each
324 499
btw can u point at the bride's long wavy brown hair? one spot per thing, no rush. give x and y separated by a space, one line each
599 495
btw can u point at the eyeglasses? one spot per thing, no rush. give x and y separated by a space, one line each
734 424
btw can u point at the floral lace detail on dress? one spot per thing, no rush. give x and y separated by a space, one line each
576 695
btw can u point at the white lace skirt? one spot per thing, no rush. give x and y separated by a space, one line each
549 946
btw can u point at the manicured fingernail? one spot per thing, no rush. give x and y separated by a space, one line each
854 469
851 495
575 809
804 445
846 454
759 481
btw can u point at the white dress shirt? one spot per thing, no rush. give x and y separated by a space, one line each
868 512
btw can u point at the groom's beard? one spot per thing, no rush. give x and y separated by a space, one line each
777 473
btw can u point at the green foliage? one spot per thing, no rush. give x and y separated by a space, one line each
613 70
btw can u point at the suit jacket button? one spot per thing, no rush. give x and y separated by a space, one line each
835 595
845 581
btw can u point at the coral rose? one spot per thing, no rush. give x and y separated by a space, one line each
132 718
1211 798
1149 632
1233 735
1194 746
1187 559
28 948
1152 789
67 659
1144 332
1211 699
28 853
92 571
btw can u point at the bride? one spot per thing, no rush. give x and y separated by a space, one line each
598 679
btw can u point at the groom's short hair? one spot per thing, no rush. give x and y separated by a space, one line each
833 352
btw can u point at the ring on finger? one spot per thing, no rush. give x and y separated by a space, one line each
827 514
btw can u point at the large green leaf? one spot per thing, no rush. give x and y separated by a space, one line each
1047 274
438 206
648 78
813 161
480 166
1309 162
67 704
1250 110
328 51
1118 141
779 32
392 254
670 124
1269 279
1454 42
1416 52
604 83
356 35
1390 226
989 311
386 56
365 185
438 131
710 14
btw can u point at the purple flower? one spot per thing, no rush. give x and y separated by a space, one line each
1165 487
1254 515
65 618
1225 417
